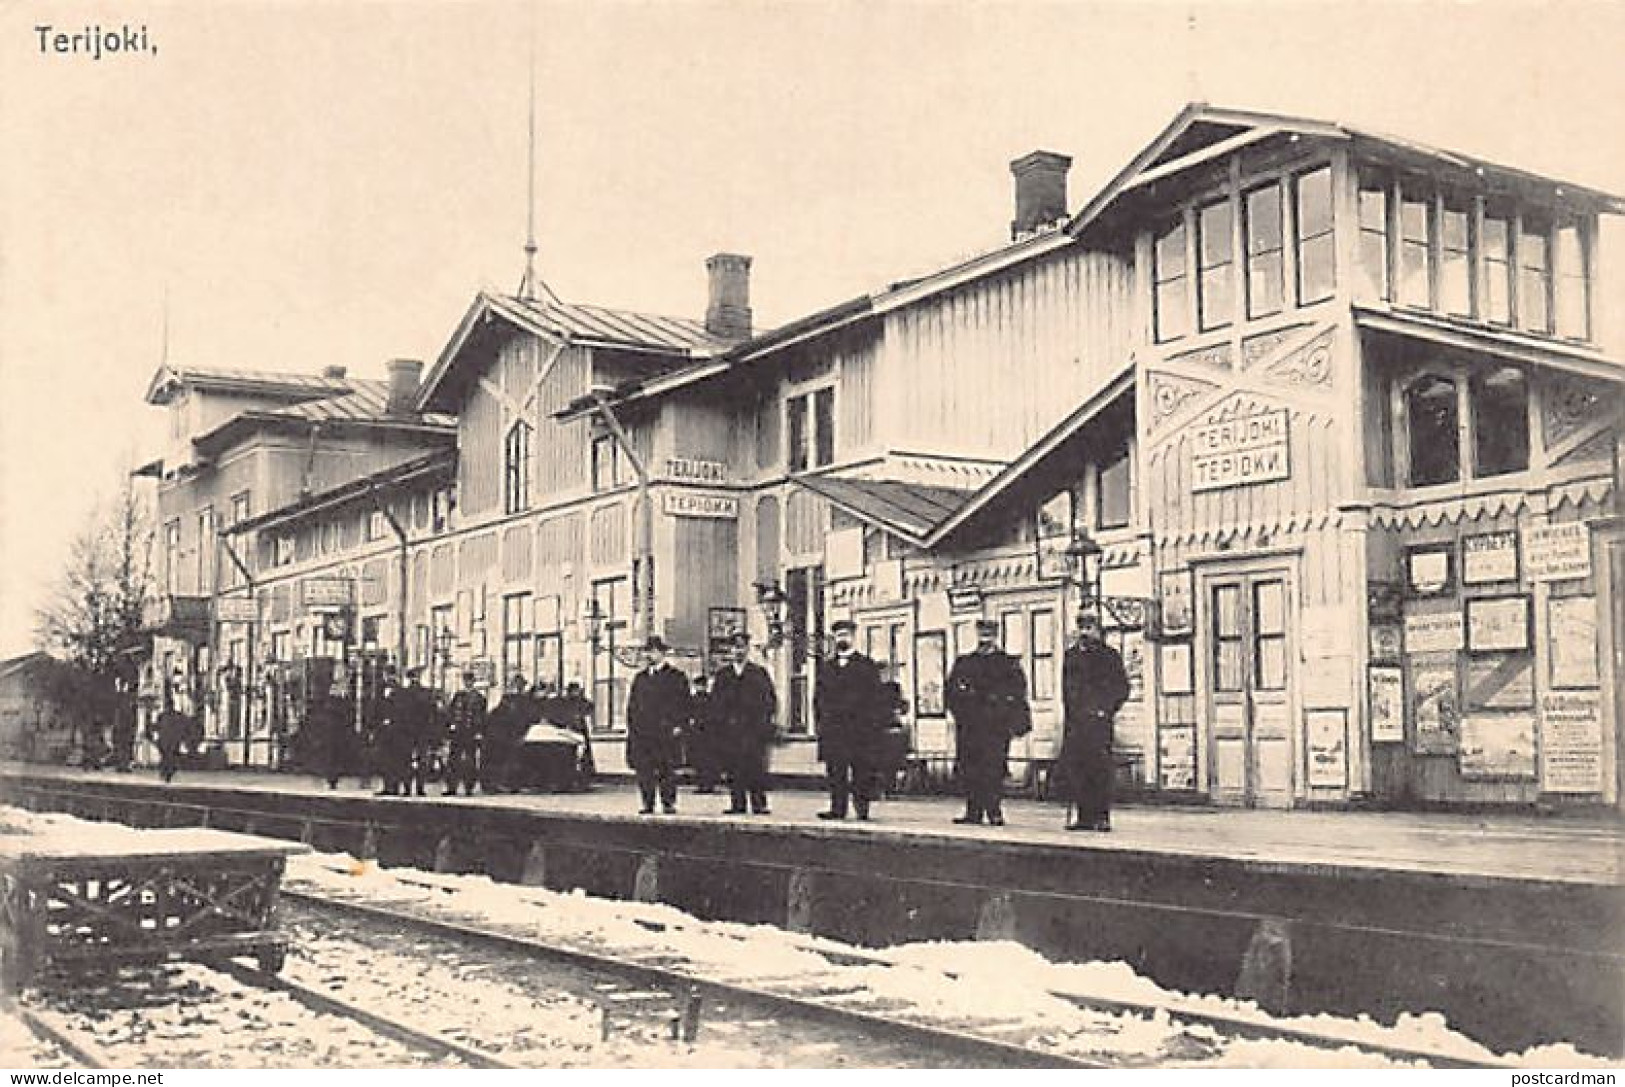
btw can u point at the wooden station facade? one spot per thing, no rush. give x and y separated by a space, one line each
1331 405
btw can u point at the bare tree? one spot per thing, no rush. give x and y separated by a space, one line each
92 621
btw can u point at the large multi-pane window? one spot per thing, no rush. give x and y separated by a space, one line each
1535 275
609 683
516 614
1492 402
804 628
1496 244
1041 656
811 424
1373 211
1455 261
1266 268
1573 285
1415 249
1269 635
205 550
172 556
516 468
1215 248
1316 249
1170 284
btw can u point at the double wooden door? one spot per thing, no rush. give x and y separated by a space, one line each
1248 670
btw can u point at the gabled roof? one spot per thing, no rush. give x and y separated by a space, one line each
1200 132
169 379
365 406
438 463
908 510
677 338
1057 443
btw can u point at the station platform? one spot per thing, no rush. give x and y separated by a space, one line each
1511 925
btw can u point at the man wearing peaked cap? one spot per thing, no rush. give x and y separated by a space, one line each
743 706
850 704
987 696
657 711
1094 686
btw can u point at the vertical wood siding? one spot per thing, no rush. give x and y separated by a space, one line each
609 543
476 557
767 538
442 571
516 553
806 523
1025 347
479 461
562 448
558 544
706 553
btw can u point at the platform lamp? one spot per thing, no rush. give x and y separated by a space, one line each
771 600
442 642
1083 564
598 624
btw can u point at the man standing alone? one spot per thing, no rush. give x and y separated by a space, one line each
465 731
987 695
1093 687
743 706
657 711
851 706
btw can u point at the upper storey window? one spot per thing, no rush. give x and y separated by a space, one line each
516 468
1373 201
811 425
1171 284
1446 404
1573 285
1415 249
1316 251
1216 294
1433 426
1266 245
1496 243
1455 259
1535 275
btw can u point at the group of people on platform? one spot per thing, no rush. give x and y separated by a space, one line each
724 727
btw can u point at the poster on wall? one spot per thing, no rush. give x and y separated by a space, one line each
1502 682
1174 667
1489 557
1132 646
1176 591
1440 632
1571 631
1435 707
1430 570
1385 641
1557 552
1387 689
1499 745
1498 624
931 668
1571 742
1176 757
1327 754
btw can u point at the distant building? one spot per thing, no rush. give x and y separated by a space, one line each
34 725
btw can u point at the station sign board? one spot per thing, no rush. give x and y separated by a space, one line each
236 609
1557 552
723 507
1240 452
326 592
693 470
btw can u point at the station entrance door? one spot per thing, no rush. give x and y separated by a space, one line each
1247 664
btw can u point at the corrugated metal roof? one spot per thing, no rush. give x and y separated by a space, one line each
368 402
600 324
910 510
318 384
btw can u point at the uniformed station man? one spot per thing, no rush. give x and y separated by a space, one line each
1094 685
853 708
743 707
657 712
465 732
987 696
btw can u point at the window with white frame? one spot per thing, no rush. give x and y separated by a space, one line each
516 617
608 466
1266 251
1216 263
172 556
1170 284
205 550
1114 497
1316 251
810 423
1444 403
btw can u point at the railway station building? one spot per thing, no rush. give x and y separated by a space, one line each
1318 419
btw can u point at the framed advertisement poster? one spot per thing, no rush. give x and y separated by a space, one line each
1498 745
1385 641
1489 557
1571 632
1430 570
1498 624
1387 690
1435 705
1176 757
1176 591
1327 750
930 673
1175 668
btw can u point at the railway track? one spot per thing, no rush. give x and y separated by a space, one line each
1201 1034
224 1015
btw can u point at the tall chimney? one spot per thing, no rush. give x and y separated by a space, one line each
403 385
727 314
1040 190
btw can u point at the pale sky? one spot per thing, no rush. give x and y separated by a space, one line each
318 183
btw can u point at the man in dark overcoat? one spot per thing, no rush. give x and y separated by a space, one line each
743 708
987 696
1094 685
328 720
852 707
465 731
408 718
573 710
700 741
505 730
657 711
171 732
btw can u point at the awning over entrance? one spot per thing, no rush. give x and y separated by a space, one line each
908 510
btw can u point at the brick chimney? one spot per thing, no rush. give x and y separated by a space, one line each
335 372
403 385
727 314
1040 190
